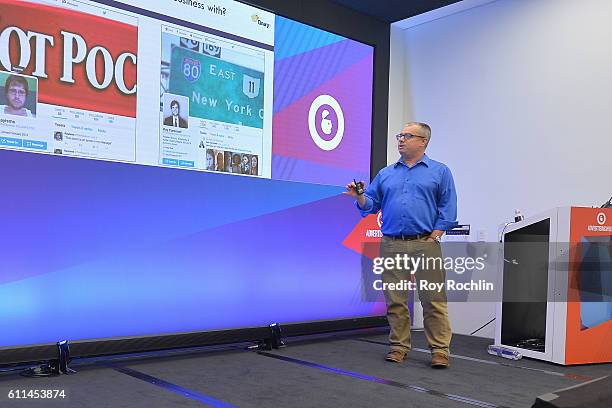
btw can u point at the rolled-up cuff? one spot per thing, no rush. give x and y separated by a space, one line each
367 208
445 225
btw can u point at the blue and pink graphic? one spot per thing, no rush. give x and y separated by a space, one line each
322 124
95 249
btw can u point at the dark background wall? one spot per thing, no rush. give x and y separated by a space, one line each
344 21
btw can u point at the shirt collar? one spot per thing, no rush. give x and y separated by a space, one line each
425 160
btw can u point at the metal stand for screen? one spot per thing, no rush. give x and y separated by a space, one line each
53 367
274 341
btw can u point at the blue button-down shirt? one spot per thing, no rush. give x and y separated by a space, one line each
414 200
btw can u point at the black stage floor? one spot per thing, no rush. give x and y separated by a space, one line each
343 370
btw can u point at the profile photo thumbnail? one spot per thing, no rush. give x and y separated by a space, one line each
18 94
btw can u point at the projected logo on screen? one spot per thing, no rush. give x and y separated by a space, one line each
321 121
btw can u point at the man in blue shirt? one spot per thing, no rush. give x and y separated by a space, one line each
418 201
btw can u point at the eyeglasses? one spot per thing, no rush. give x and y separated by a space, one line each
19 92
407 136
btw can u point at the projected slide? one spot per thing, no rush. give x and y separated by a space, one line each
76 80
241 91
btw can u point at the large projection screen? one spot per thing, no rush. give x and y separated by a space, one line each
176 166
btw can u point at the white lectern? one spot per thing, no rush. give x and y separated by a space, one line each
557 286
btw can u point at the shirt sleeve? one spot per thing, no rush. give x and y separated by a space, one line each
373 198
447 203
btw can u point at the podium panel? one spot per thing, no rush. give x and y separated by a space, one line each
556 278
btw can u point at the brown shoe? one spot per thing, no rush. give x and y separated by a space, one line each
439 360
396 356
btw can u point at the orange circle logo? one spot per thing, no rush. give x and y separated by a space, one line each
601 218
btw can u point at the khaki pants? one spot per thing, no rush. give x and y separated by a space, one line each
435 309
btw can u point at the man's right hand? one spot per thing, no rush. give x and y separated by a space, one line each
351 190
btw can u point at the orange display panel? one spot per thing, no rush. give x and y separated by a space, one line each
589 316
